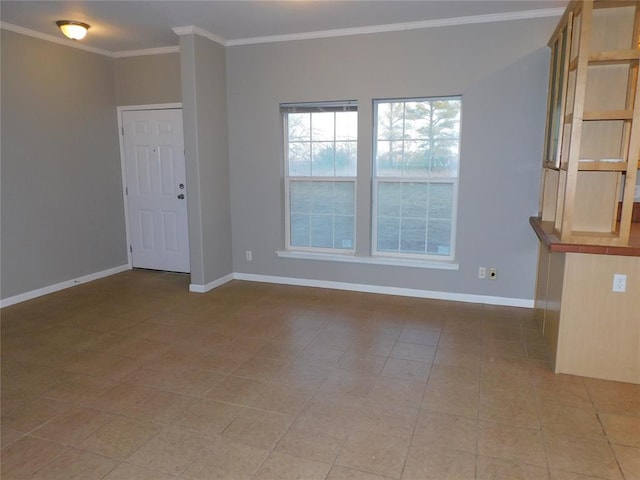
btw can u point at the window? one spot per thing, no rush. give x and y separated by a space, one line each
320 175
416 158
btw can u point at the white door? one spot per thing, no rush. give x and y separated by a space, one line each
156 189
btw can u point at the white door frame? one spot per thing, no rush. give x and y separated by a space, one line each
123 165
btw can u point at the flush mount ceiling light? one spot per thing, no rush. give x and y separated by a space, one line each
72 29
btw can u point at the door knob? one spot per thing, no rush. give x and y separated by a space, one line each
181 196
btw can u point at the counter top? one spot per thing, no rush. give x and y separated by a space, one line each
546 233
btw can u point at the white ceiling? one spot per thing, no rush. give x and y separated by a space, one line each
119 26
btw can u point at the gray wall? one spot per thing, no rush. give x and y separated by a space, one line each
501 70
61 194
148 79
202 64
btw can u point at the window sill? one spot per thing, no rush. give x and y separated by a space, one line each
395 262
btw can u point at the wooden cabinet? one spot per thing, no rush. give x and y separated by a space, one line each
592 140
589 176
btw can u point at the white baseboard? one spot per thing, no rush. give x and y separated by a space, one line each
197 288
405 292
302 282
62 285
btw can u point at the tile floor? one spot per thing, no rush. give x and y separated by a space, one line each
133 378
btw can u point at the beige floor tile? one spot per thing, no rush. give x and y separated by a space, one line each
238 390
365 364
160 407
224 460
27 455
76 465
392 391
409 370
220 362
511 443
423 336
119 438
304 441
258 428
81 389
581 455
120 397
342 383
614 397
73 425
32 413
316 355
280 466
264 369
8 436
285 399
499 407
629 461
341 473
443 376
302 376
379 454
498 469
396 421
560 475
126 471
438 463
566 420
413 351
562 389
170 451
622 430
208 417
451 399
448 431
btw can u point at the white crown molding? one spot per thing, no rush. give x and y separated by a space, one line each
396 27
146 51
340 32
54 39
193 30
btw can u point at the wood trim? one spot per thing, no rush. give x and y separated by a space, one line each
549 237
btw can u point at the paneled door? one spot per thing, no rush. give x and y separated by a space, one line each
156 189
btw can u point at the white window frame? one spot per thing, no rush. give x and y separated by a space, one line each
285 109
376 181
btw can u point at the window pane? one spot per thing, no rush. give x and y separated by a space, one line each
299 230
299 192
412 235
346 159
414 200
346 125
322 125
344 232
416 158
439 237
388 234
299 125
441 200
322 159
417 140
322 214
321 144
320 197
299 159
417 115
389 199
321 231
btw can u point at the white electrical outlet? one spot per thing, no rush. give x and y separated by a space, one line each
249 255
619 282
493 273
482 272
